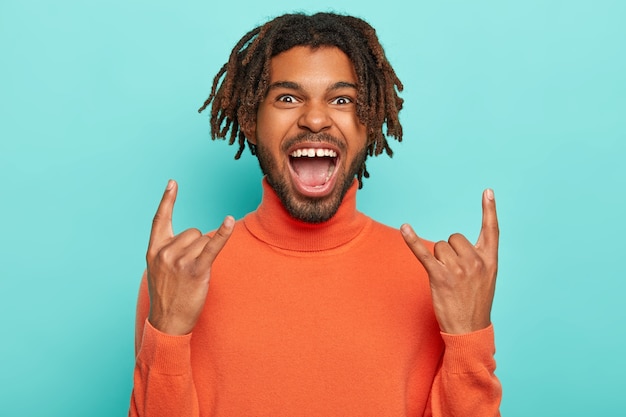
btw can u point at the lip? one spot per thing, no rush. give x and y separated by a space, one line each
308 191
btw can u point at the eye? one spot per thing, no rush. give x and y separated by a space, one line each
286 98
343 100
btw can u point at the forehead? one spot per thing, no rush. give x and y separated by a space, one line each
303 63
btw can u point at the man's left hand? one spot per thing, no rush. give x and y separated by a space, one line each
462 276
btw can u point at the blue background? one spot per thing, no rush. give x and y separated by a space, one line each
98 109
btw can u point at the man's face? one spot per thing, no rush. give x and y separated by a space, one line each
310 142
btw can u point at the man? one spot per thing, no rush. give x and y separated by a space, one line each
307 307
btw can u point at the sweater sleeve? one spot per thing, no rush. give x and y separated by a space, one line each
162 381
465 384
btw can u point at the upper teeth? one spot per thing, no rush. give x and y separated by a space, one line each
313 152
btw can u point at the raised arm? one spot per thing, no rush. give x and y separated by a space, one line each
174 290
462 281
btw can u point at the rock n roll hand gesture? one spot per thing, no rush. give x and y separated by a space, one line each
462 276
179 268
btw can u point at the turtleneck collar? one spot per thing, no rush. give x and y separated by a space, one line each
272 224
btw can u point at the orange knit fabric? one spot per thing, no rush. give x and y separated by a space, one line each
331 319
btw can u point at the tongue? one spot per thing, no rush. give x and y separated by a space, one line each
312 171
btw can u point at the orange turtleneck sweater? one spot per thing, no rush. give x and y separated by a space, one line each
331 319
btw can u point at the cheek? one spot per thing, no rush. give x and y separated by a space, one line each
358 126
358 132
274 125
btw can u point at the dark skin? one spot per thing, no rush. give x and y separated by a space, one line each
462 276
179 268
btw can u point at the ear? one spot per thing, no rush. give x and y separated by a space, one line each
249 131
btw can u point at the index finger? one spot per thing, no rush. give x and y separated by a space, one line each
162 222
489 231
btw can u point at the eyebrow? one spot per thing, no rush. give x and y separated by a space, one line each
295 86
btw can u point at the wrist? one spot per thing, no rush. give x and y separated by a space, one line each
169 325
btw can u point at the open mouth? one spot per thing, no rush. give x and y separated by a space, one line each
313 169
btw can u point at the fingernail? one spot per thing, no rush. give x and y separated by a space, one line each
170 185
405 229
229 221
489 193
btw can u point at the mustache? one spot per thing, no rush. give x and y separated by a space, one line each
314 137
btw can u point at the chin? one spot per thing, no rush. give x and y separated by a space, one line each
310 209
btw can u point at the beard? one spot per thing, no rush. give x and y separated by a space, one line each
309 209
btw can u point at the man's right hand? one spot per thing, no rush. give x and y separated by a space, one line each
179 268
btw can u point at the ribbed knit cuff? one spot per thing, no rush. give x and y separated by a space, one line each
164 353
471 352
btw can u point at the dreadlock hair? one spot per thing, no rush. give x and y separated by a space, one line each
242 83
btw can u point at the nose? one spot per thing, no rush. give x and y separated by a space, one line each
315 117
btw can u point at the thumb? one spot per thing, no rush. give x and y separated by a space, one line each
418 248
216 243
